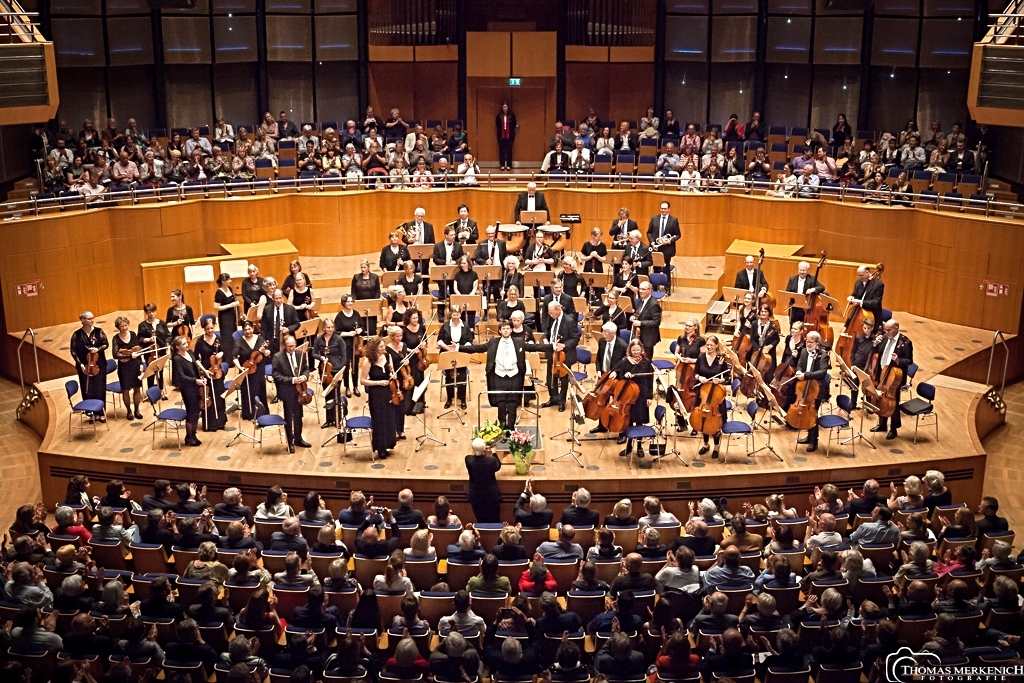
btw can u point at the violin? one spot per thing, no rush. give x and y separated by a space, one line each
803 414
596 399
216 372
182 328
558 368
302 387
421 361
92 360
706 418
855 316
816 317
395 385
615 414
327 375
125 354
256 357
357 346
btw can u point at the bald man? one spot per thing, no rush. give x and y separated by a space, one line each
279 318
633 579
802 283
867 293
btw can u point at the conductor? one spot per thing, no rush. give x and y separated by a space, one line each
531 200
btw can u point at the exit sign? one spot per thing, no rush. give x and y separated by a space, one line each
515 82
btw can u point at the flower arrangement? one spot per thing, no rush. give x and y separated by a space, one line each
490 432
520 445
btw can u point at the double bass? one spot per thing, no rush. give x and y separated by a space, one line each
597 398
816 317
768 299
855 316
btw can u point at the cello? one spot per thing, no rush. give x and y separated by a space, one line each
622 396
816 317
855 316
803 414
596 399
707 417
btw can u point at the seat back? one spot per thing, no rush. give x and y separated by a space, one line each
238 595
288 598
444 537
787 598
513 570
345 601
433 606
913 630
368 567
109 554
265 528
486 605
564 572
422 572
459 574
531 538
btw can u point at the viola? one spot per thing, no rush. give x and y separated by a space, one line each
125 354
558 368
205 397
597 399
803 414
706 418
421 361
405 374
256 357
395 385
615 415
92 360
855 316
357 346
302 387
182 329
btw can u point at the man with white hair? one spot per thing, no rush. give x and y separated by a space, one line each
405 514
531 200
418 231
452 656
867 293
802 283
813 365
638 253
562 334
290 538
895 352
536 514
232 506
579 513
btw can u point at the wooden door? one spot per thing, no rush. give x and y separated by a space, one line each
530 104
488 101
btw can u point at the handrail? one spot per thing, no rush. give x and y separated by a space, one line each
991 356
35 354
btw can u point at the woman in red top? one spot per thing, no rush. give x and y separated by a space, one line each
675 659
537 578
505 128
407 662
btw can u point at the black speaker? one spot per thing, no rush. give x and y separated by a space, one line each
172 4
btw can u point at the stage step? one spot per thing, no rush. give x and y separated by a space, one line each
689 299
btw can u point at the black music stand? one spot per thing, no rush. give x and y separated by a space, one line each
454 361
421 254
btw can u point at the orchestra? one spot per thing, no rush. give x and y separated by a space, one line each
256 326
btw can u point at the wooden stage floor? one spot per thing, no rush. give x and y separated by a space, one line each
126 451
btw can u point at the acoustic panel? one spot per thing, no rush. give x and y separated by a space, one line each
535 54
686 90
234 39
291 90
78 42
234 88
720 7
132 95
488 54
837 40
199 7
81 97
948 8
186 40
130 41
894 42
188 97
787 95
733 39
337 38
789 7
335 6
59 7
789 40
897 7
128 7
686 39
337 92
288 6
836 90
234 6
732 91
946 43
289 39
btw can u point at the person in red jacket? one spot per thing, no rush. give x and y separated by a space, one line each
537 578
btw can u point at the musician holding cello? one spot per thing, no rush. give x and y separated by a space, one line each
811 366
892 351
713 374
186 379
751 278
331 355
764 337
209 354
126 350
611 349
507 369
689 347
563 335
290 376
791 349
88 350
802 283
637 369
867 293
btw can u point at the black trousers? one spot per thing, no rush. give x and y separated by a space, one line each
504 151
292 417
812 433
486 509
507 404
558 387
450 388
897 420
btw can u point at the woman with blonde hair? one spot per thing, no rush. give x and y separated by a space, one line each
509 545
206 566
622 515
421 546
394 579
912 498
776 504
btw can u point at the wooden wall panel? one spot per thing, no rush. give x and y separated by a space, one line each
631 91
488 54
436 91
586 85
936 264
534 54
392 85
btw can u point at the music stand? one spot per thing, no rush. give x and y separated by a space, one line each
389 278
339 424
488 275
366 309
575 417
236 386
671 388
443 274
199 275
867 388
454 361
533 218
538 278
832 306
792 299
470 303
417 394
770 410
615 257
307 329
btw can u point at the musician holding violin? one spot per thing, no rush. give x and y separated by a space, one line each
300 297
891 351
395 255
764 338
252 288
290 376
279 320
557 294
209 353
376 377
180 318
811 367
229 313
563 335
611 349
746 313
154 335
713 374
88 350
186 379
454 333
609 312
251 356
398 365
331 355
349 326
127 350
414 332
636 369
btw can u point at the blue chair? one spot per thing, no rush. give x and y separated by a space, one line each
113 388
89 407
640 432
206 316
357 423
737 428
922 407
262 419
658 280
583 358
172 417
625 334
908 379
835 423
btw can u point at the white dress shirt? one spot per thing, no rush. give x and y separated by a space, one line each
531 202
505 362
800 283
888 349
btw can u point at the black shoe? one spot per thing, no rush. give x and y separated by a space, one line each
598 430
878 428
805 440
302 444
621 440
813 446
703 449
714 454
356 392
462 404
138 415
891 435
383 455
693 432
326 425
291 448
348 393
401 437
549 404
561 407
447 404
624 452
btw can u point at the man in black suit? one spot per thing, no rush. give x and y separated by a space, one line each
368 541
557 294
868 293
289 368
813 365
578 514
897 351
621 227
639 253
866 502
647 319
531 200
492 252
466 230
961 159
664 227
158 500
990 521
454 334
626 141
563 335
418 231
506 370
751 278
611 349
801 283
278 319
395 254
446 252
290 538
232 506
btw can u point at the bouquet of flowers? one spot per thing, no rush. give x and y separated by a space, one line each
490 432
520 445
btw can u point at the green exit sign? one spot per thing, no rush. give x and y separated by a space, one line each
515 82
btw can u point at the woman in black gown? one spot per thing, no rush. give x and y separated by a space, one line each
413 332
511 277
374 376
366 285
397 353
185 378
396 308
228 314
255 384
179 315
409 280
712 367
129 366
636 368
301 297
610 311
511 304
483 492
688 347
570 278
209 353
90 338
294 268
466 282
348 326
595 253
252 288
153 334
329 347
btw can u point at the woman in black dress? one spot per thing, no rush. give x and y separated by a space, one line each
329 347
154 335
626 282
294 268
300 296
610 311
228 314
185 378
595 254
791 349
483 492
255 384
209 353
712 367
746 314
397 353
466 282
348 326
394 314
252 288
374 376
366 285
90 338
129 366
180 318
570 278
409 280
511 304
688 347
636 368
764 338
